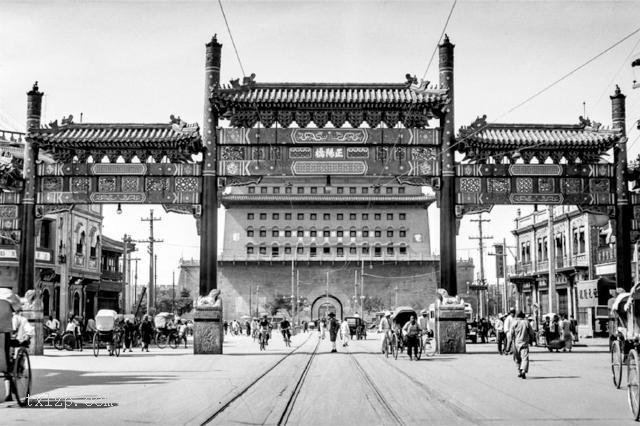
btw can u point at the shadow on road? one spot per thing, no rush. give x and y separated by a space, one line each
46 380
552 377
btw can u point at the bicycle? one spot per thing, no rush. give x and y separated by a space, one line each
167 337
427 346
263 340
286 334
19 371
55 338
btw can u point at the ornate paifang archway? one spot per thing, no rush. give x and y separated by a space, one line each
326 300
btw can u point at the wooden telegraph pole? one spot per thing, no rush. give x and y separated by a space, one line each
482 293
151 291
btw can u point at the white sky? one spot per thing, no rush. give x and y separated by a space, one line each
132 61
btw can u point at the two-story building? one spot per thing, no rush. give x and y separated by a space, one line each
72 257
575 238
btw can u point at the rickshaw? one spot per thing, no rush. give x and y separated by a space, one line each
618 344
632 340
108 331
400 317
356 327
166 331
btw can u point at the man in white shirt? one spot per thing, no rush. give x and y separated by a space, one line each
509 323
23 332
385 327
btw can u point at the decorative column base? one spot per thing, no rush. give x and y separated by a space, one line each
451 326
35 317
207 330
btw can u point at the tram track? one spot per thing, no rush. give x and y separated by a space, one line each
377 393
299 382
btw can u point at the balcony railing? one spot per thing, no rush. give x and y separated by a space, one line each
543 266
606 255
111 275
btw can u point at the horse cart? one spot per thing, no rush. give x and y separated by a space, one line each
109 332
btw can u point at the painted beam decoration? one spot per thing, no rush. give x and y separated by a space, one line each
580 184
318 152
126 183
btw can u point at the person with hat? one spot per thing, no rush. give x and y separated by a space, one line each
423 321
521 334
265 328
22 332
385 327
334 327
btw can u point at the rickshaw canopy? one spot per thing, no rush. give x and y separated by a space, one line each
620 301
162 319
402 314
105 319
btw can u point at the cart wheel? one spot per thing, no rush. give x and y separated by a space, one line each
161 340
616 363
633 377
387 346
21 380
96 344
68 342
395 348
173 341
57 342
419 351
429 347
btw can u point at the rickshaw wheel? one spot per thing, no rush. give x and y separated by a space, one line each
616 363
633 377
419 351
21 377
387 346
173 341
96 344
161 340
395 347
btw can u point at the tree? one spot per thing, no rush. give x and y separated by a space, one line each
373 304
277 303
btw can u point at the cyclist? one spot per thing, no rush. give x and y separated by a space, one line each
385 327
265 328
285 329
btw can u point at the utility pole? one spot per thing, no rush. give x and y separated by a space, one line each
151 293
126 239
327 284
355 289
135 281
552 260
481 238
362 287
396 304
257 299
297 296
293 293
173 296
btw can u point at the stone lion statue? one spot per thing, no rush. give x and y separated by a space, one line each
212 300
31 301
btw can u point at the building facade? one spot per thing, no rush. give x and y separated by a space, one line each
584 265
71 271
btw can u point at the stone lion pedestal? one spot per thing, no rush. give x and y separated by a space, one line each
35 317
450 325
207 330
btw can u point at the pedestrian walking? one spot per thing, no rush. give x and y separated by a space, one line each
384 327
521 334
225 325
182 332
333 330
509 323
345 332
411 333
323 326
574 328
567 337
500 334
146 330
129 332
305 326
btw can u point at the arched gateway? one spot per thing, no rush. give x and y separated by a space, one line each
322 305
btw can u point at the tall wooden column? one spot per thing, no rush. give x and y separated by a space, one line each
623 209
448 258
26 271
209 224
208 332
